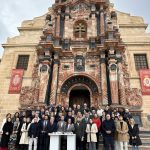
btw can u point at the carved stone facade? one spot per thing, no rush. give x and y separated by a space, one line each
82 45
77 46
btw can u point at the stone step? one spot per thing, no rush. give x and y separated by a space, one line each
143 135
130 148
145 140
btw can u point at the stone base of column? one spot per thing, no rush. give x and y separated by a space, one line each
31 107
119 106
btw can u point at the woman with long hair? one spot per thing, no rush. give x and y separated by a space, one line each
24 141
6 132
91 130
135 140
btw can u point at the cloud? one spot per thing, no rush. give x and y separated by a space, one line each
13 12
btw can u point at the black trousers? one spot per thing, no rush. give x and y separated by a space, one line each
97 143
109 143
79 144
85 142
24 147
63 142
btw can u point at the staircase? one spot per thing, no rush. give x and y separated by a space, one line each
145 138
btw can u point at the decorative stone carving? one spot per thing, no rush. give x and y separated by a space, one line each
79 63
27 96
80 9
77 80
134 97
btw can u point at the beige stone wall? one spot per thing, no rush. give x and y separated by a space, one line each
24 44
137 41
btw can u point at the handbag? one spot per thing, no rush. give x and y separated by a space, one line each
134 141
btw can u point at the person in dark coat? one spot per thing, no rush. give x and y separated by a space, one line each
127 115
33 133
69 116
135 140
79 131
43 142
7 131
53 125
108 127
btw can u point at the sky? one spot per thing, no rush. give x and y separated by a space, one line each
13 12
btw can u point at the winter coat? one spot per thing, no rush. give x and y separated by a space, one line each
8 127
34 130
122 137
91 131
24 136
108 125
79 130
134 132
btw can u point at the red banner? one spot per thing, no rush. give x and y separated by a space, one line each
145 81
16 81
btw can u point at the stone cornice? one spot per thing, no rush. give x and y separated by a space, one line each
136 43
29 28
20 45
133 26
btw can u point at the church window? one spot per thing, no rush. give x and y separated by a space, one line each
80 29
140 61
22 62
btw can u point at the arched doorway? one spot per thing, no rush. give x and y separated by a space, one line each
79 86
79 95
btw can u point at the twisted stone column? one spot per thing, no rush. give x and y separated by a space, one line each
104 80
122 94
44 78
113 83
53 94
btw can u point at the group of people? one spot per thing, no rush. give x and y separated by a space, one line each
31 129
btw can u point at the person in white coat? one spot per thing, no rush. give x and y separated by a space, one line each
24 140
91 130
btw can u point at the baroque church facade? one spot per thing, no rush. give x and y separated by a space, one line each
80 51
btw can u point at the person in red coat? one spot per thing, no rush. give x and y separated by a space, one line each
97 121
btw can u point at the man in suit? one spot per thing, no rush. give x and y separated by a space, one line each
85 121
79 131
43 136
61 127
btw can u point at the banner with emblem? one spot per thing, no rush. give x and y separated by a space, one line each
16 81
145 81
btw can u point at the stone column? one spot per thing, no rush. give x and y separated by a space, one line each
44 79
122 94
58 23
53 94
102 22
104 79
93 19
113 81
